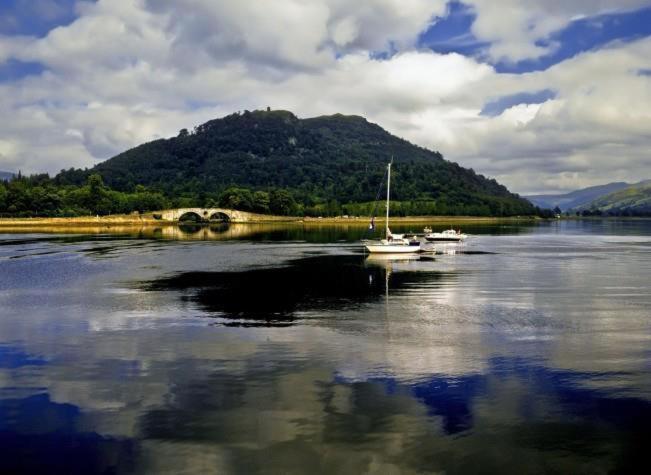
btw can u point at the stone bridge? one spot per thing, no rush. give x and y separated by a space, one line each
204 214
217 214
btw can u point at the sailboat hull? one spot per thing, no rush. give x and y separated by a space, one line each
391 249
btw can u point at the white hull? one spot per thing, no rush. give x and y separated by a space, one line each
446 236
392 248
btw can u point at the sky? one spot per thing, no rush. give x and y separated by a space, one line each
545 96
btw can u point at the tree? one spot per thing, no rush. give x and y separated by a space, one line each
98 201
3 197
281 202
145 201
237 198
333 208
95 184
261 202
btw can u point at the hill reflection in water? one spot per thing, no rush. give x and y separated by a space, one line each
280 295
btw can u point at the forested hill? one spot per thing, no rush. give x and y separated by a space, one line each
578 198
635 200
322 161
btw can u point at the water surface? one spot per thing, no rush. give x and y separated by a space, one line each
284 349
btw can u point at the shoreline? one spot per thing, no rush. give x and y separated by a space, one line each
149 221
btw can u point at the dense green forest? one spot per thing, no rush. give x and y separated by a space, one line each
39 195
267 162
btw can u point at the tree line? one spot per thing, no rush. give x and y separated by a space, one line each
39 195
42 196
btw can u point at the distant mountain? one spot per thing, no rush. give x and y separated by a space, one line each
6 176
576 199
635 200
322 160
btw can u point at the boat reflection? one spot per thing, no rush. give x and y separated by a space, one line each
381 259
449 248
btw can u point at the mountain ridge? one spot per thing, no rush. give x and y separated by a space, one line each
634 200
576 198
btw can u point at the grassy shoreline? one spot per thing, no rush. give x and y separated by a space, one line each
148 220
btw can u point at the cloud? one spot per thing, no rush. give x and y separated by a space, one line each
126 72
293 33
518 29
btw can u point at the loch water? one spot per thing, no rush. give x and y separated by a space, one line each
286 349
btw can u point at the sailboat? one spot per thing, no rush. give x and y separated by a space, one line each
392 243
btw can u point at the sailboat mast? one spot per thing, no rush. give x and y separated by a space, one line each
386 231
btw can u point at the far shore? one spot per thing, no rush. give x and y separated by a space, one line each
147 220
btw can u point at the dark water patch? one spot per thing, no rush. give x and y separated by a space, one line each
94 246
25 242
451 399
267 323
38 435
190 229
108 251
478 253
119 248
457 252
315 283
33 254
62 239
12 358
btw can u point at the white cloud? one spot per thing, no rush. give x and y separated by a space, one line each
289 33
515 27
128 71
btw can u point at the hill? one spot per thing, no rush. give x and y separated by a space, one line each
635 200
575 199
4 176
323 162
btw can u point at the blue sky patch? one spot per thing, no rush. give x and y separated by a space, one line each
14 70
584 35
497 106
35 17
453 34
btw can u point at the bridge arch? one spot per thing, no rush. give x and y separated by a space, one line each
220 216
191 216
204 215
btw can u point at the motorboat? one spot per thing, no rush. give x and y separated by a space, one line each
392 243
449 235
